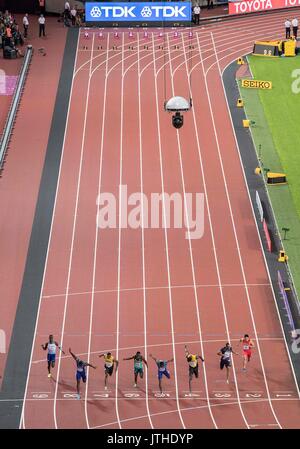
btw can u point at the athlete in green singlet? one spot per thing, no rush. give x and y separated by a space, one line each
138 366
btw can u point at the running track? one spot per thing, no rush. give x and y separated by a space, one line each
155 290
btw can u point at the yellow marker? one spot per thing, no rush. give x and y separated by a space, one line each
246 123
276 178
282 256
240 103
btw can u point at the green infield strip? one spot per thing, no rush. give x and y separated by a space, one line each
276 135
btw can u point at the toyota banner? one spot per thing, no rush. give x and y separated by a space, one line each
174 12
242 7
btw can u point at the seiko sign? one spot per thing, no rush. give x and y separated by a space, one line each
101 12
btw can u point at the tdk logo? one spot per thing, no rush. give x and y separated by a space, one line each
118 11
137 11
130 12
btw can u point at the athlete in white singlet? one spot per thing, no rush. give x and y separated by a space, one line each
51 345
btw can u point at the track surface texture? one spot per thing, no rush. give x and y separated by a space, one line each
154 289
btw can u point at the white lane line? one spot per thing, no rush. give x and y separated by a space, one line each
261 244
258 234
104 396
120 229
224 44
22 419
96 230
76 56
241 47
234 230
214 245
165 234
136 289
73 234
196 299
188 409
143 236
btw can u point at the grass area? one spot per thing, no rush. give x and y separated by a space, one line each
276 135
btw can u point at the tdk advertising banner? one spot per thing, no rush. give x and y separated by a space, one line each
138 12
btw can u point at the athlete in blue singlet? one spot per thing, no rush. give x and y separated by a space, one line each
80 372
51 345
162 370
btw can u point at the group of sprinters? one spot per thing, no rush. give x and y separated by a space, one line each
139 361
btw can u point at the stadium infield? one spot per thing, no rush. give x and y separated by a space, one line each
276 138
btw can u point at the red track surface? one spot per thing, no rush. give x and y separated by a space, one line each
123 289
24 163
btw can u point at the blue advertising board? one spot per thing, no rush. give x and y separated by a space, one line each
138 12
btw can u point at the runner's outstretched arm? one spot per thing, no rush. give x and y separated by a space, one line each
145 361
73 355
155 360
92 366
59 347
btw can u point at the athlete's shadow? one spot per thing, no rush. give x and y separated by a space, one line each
102 405
67 386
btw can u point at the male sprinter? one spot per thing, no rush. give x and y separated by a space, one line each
192 360
80 373
51 345
138 366
248 345
109 362
162 370
225 360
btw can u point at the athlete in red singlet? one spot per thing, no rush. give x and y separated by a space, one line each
248 345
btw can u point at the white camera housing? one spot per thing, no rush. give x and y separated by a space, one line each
178 104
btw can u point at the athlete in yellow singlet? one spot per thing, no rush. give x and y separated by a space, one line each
109 362
192 360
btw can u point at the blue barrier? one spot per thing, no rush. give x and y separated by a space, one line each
286 301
